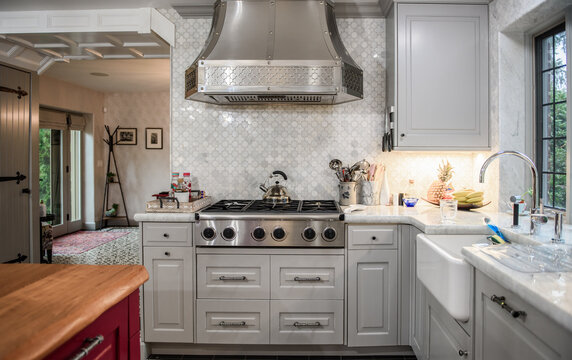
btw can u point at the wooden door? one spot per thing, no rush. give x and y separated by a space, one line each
14 158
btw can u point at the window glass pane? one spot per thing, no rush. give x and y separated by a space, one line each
560 49
547 121
547 79
560 84
560 122
75 175
51 172
547 53
547 189
547 158
560 156
560 191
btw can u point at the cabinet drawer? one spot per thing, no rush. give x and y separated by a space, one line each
372 237
306 321
232 321
167 234
307 277
233 276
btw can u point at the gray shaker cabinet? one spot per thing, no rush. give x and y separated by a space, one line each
372 285
168 294
499 335
438 76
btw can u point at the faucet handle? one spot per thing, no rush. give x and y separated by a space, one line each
538 218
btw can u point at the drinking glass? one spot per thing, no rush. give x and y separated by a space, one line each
448 210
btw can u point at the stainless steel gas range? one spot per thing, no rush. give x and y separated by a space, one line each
256 223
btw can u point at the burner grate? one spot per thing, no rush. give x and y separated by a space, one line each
262 206
228 206
319 206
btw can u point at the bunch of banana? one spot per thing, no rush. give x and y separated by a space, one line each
469 196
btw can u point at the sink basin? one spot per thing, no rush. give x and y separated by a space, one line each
444 272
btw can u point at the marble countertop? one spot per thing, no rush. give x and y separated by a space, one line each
549 292
165 217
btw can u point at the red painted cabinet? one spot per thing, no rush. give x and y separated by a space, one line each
113 335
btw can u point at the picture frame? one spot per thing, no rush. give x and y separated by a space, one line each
126 136
154 138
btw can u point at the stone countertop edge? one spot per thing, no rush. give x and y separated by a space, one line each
550 293
165 217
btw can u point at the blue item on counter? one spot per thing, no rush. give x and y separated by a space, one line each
496 231
410 202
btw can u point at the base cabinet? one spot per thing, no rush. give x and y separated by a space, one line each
499 335
168 295
372 297
118 329
446 339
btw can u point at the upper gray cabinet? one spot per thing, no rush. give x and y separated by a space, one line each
437 66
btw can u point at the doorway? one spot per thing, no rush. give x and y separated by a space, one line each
60 160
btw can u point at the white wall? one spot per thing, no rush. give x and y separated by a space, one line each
512 25
143 171
66 96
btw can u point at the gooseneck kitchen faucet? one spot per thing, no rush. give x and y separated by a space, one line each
536 212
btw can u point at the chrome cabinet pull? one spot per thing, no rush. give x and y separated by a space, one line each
89 344
166 236
298 278
501 301
463 353
233 278
305 324
167 253
232 323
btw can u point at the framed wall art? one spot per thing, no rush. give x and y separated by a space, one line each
154 138
126 136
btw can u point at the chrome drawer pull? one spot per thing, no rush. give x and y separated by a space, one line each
500 300
233 278
317 278
304 324
90 343
233 324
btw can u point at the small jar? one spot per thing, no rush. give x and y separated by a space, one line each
174 180
187 181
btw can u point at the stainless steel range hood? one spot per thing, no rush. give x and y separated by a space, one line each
274 51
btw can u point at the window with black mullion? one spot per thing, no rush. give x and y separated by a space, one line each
551 129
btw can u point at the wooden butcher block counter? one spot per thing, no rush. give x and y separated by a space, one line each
44 307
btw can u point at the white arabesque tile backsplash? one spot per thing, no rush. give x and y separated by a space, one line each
230 150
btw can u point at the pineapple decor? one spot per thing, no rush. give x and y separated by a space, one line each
438 188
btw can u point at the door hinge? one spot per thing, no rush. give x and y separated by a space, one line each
67 169
68 217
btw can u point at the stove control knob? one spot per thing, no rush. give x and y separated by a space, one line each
329 234
309 234
209 234
279 234
258 233
228 234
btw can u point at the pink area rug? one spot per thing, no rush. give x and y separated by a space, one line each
82 241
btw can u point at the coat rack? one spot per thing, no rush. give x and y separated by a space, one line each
111 144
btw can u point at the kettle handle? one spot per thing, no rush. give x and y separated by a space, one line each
278 172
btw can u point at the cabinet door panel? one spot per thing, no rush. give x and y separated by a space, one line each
167 234
307 277
307 322
233 276
232 321
442 76
500 336
372 297
168 294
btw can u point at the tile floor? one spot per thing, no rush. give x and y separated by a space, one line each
121 251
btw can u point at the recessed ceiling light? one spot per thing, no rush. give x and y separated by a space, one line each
98 74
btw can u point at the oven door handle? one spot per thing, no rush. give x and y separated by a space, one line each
233 278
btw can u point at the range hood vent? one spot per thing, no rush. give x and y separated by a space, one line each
274 51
